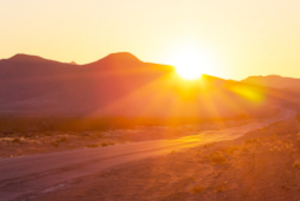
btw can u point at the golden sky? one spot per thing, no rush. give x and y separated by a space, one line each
241 37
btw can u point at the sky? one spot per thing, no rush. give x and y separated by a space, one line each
240 37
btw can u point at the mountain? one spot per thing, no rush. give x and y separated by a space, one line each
274 81
117 60
121 85
31 84
73 62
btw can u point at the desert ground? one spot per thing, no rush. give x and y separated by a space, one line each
262 165
20 144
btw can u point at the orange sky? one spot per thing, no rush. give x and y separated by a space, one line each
242 37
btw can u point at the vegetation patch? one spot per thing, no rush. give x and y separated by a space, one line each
93 146
297 164
64 139
54 144
232 149
218 157
16 140
198 189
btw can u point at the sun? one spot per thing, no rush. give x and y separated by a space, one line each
191 62
189 66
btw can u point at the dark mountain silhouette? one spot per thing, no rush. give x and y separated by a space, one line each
31 84
18 58
73 62
274 81
122 85
118 59
210 97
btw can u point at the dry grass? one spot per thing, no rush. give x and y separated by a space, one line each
53 140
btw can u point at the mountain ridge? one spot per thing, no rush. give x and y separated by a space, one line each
119 56
275 81
122 85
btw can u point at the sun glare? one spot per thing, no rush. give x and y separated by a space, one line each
190 62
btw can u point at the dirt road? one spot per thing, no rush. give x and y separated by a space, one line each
27 176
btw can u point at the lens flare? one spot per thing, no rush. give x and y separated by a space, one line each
191 62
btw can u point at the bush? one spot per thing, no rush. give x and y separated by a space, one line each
232 149
219 189
93 146
250 141
64 139
198 189
209 145
104 144
297 164
55 144
16 140
218 158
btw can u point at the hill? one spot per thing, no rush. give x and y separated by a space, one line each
274 81
121 85
31 84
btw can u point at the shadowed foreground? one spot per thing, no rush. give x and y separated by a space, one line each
23 177
261 165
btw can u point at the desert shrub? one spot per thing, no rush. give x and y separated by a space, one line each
93 146
231 150
104 144
48 134
54 144
273 137
64 139
297 164
297 143
16 140
107 144
198 189
218 158
209 145
219 188
10 125
250 141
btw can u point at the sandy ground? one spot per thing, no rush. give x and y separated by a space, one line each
262 165
18 144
